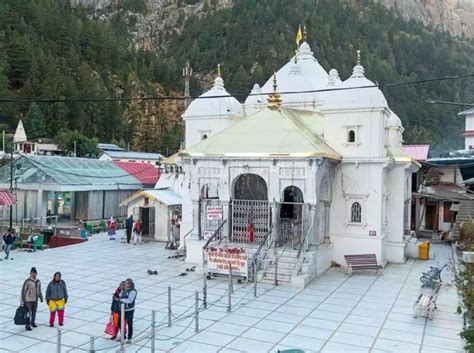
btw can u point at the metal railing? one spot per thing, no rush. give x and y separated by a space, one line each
218 230
303 247
259 255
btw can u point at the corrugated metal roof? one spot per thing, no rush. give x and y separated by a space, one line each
109 147
75 173
6 198
267 133
418 152
400 156
144 172
134 155
466 112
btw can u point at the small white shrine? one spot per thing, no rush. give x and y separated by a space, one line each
317 174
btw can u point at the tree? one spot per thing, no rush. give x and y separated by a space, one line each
34 122
85 147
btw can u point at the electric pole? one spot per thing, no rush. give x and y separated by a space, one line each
11 184
187 73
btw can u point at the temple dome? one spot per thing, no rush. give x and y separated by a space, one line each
255 101
214 106
312 75
354 96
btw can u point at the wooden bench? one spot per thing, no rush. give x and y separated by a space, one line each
362 262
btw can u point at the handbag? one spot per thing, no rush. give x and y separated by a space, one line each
21 315
110 328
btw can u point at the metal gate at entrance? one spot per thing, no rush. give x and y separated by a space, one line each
250 209
250 220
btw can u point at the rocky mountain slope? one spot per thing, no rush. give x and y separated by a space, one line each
454 16
164 18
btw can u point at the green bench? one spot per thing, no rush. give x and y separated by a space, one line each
95 226
37 244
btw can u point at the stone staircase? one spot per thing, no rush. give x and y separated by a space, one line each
286 268
465 214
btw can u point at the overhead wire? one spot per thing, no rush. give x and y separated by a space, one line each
125 99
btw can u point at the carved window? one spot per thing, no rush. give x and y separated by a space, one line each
356 213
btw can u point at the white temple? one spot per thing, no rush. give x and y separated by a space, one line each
321 172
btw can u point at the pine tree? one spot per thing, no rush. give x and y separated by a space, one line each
34 122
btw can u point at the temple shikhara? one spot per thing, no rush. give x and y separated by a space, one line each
317 174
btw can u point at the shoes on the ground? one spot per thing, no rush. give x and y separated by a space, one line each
34 325
28 328
183 274
51 325
61 324
113 337
128 341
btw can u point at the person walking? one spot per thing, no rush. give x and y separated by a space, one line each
128 298
30 293
129 227
8 239
137 232
111 228
115 308
56 298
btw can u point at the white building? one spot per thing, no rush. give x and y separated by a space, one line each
469 132
130 156
322 173
40 147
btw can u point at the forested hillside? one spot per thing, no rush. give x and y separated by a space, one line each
51 50
256 37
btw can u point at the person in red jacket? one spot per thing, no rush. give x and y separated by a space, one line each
137 232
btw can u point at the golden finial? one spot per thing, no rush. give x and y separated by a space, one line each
358 57
305 34
274 101
218 70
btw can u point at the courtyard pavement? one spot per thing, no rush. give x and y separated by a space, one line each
335 313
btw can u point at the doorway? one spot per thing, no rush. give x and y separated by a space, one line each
147 216
250 209
432 216
291 216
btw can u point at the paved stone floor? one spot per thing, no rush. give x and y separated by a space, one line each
336 313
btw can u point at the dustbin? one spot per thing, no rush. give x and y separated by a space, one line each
83 233
424 250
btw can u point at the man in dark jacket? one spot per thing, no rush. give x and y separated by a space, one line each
30 293
8 238
128 298
129 227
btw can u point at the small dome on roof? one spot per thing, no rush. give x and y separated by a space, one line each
394 120
355 96
256 99
334 78
214 105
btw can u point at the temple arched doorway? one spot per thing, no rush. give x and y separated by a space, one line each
250 209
